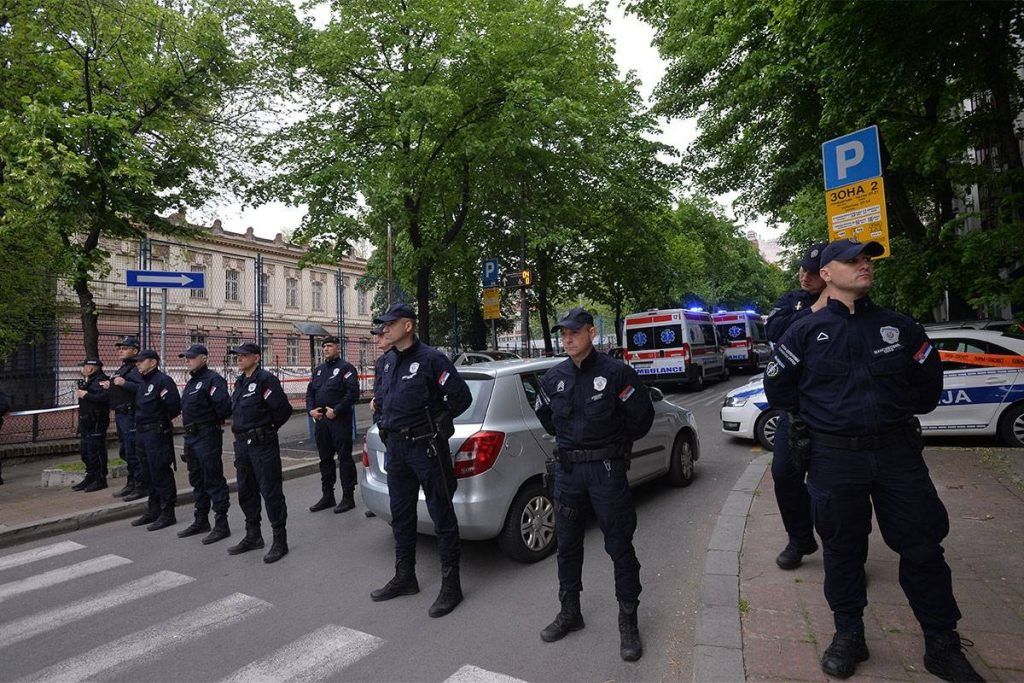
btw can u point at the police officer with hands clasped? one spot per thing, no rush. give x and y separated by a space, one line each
421 394
157 403
854 375
790 490
596 407
331 393
205 404
123 385
259 408
93 420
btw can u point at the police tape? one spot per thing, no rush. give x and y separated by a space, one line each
985 360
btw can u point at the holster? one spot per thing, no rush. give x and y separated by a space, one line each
799 444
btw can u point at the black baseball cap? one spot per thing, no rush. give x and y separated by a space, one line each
129 341
147 354
849 249
574 320
811 260
377 330
330 339
394 313
247 348
93 361
194 350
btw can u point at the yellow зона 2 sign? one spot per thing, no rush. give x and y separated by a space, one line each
492 303
858 210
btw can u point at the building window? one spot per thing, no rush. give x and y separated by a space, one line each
291 292
197 337
363 302
231 289
198 293
318 296
265 288
293 351
265 347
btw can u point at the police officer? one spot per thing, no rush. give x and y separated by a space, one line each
205 404
123 386
421 395
259 408
857 374
790 490
596 407
384 347
157 403
93 420
5 407
330 395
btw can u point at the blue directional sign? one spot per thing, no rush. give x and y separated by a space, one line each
165 279
852 158
490 273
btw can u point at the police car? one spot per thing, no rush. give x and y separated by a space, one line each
983 391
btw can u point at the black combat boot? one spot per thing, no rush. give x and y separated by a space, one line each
165 520
450 595
128 487
136 493
200 524
403 583
944 657
569 618
220 529
630 647
841 657
150 516
80 486
98 484
326 501
348 501
279 548
793 555
253 540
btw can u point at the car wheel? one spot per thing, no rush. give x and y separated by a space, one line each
697 383
529 533
680 465
765 427
1011 426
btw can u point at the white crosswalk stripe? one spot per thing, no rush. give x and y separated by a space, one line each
474 674
52 550
27 627
149 644
56 576
314 657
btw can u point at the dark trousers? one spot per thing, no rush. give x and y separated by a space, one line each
126 436
335 437
155 450
203 455
258 464
790 490
93 447
409 467
844 485
599 488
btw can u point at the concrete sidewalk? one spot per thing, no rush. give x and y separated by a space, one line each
786 624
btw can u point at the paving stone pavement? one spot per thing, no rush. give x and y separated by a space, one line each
786 624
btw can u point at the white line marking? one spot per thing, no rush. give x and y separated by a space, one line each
23 629
149 644
474 674
18 559
53 577
315 656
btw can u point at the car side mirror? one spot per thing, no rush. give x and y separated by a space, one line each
656 394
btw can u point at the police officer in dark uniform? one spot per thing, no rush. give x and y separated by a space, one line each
596 406
790 490
157 403
93 420
330 395
205 404
854 376
421 395
385 347
123 386
259 408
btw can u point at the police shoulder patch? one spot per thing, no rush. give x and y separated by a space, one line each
772 369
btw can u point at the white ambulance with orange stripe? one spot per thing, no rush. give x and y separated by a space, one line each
746 343
675 345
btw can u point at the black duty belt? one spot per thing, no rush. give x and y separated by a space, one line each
616 452
196 427
865 442
258 434
415 433
152 427
124 409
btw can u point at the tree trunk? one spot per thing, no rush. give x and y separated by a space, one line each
901 209
423 300
618 321
87 310
995 48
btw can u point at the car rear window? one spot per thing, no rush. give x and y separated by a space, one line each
639 338
480 387
734 331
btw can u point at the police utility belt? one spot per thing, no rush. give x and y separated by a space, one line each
159 427
124 409
410 434
196 427
870 442
615 452
258 434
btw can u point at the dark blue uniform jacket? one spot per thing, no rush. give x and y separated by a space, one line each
205 398
418 378
790 307
123 396
157 400
94 407
335 384
259 402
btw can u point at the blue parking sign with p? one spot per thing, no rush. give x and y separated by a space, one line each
852 158
489 273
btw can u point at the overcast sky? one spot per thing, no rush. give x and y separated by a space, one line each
633 51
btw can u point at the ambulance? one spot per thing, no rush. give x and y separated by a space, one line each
746 344
675 345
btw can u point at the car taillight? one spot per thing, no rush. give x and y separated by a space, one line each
366 456
478 453
625 356
686 352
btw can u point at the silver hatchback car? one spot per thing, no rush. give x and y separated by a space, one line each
499 449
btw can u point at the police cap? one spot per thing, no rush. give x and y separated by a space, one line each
574 320
93 361
811 260
377 330
146 355
130 341
247 348
194 350
330 339
394 313
849 249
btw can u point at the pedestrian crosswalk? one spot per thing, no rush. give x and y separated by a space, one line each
316 656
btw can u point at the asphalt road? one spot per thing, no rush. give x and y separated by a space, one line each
120 603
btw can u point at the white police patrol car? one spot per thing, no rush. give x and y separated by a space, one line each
983 391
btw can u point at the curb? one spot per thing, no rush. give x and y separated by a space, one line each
718 646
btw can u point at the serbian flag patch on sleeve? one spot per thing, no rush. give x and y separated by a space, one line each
443 378
626 393
266 392
163 393
922 353
212 389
